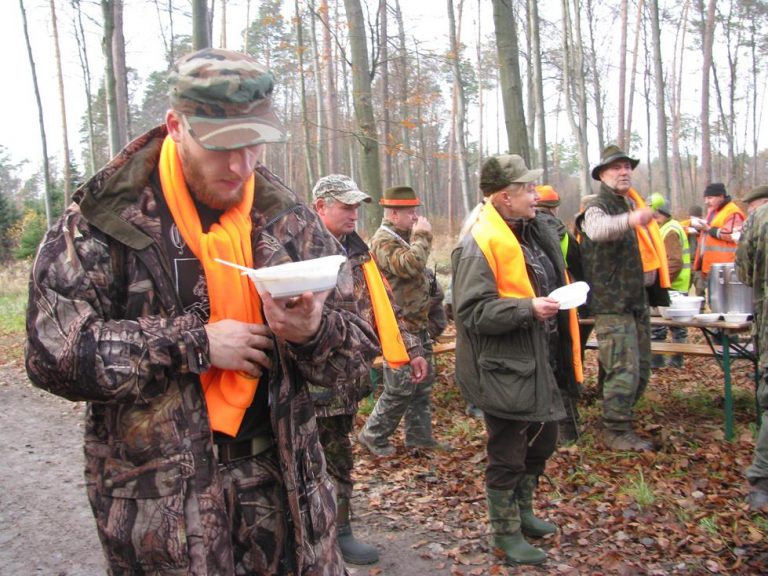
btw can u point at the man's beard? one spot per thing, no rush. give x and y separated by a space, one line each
198 189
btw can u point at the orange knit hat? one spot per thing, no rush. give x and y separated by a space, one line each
548 197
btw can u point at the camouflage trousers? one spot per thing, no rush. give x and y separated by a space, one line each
402 399
624 343
759 468
262 540
335 437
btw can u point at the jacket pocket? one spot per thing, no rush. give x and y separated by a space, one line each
507 384
140 514
316 498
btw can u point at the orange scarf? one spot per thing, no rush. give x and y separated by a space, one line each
652 251
505 257
227 393
392 346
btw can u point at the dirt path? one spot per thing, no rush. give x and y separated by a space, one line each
46 526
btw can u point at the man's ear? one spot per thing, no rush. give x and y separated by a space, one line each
173 124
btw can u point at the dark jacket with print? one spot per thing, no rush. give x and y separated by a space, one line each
329 402
502 351
105 325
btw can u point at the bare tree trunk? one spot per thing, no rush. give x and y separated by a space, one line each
386 136
84 65
43 140
322 132
633 78
223 33
121 75
113 122
63 108
622 137
480 74
573 87
459 115
311 174
200 37
678 183
661 117
707 40
247 25
538 83
511 85
370 165
405 121
330 93
596 84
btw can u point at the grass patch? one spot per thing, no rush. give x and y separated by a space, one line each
640 491
709 525
12 313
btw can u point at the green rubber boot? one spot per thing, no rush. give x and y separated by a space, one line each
504 515
530 525
353 550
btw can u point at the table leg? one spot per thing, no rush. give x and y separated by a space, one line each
727 385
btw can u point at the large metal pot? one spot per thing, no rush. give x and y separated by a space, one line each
738 296
725 292
716 288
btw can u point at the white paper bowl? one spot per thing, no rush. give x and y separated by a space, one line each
295 278
736 317
690 302
679 314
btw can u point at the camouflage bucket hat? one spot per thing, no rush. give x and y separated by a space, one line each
225 99
341 188
756 194
498 172
611 154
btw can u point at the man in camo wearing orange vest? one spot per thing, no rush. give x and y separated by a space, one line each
716 245
401 248
337 201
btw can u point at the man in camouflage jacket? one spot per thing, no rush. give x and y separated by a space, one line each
337 200
401 248
107 324
752 266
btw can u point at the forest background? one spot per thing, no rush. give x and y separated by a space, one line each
395 92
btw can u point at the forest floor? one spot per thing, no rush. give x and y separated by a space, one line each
678 511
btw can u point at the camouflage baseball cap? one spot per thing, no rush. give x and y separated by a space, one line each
498 172
225 99
341 188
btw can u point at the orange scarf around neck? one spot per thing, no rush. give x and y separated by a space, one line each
227 393
652 251
392 345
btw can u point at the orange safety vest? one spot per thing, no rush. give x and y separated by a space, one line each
713 250
392 345
649 241
505 258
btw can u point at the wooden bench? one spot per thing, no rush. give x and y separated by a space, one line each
668 348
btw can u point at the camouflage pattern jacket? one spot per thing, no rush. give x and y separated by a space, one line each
752 267
328 402
104 325
402 258
613 269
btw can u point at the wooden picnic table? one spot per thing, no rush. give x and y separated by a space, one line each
723 343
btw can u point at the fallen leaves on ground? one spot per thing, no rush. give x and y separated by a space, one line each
680 510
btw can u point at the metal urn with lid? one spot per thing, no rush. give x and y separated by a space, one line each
725 291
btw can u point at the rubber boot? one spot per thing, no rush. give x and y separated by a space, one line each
530 525
506 535
354 551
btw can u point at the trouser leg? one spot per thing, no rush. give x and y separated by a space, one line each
335 438
658 334
619 353
391 405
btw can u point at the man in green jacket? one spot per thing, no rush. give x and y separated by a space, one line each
679 264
